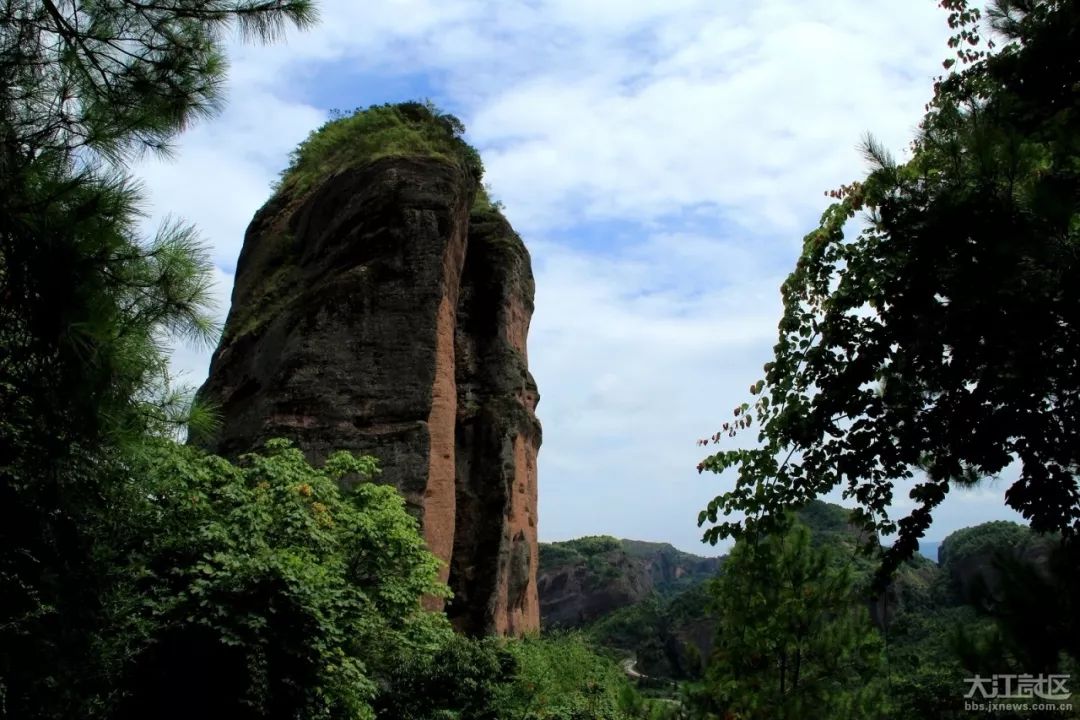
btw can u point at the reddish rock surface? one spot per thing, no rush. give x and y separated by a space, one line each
379 313
493 573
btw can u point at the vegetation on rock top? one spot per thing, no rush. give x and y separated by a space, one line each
981 539
408 129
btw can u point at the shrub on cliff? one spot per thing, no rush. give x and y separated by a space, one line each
259 590
404 129
463 678
567 552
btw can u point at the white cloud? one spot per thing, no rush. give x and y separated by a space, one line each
637 355
700 134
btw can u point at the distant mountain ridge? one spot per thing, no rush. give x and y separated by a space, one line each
650 600
584 579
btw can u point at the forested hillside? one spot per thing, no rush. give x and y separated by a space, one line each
1001 598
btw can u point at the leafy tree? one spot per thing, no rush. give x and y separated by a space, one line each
463 678
929 690
115 78
795 639
938 345
85 303
259 590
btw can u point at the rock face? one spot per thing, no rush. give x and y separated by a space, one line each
584 580
576 594
497 436
377 312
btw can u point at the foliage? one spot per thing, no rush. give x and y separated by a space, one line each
984 539
463 678
117 78
553 555
591 545
590 549
825 520
795 640
351 140
483 204
936 347
931 638
642 628
558 677
87 303
594 551
929 690
1033 612
656 631
561 678
607 558
259 588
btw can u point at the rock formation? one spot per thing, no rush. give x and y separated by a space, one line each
575 594
381 308
583 580
654 594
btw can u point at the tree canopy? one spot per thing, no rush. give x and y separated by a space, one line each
86 302
939 345
794 636
114 78
259 590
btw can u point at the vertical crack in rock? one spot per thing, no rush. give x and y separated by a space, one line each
493 572
373 313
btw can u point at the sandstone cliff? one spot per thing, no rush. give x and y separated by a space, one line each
645 598
382 306
586 579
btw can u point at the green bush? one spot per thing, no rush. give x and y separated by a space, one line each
556 554
629 627
594 544
795 637
353 139
569 552
463 678
259 590
551 678
562 678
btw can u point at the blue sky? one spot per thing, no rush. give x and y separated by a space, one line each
662 160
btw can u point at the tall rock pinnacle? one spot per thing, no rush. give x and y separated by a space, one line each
382 306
